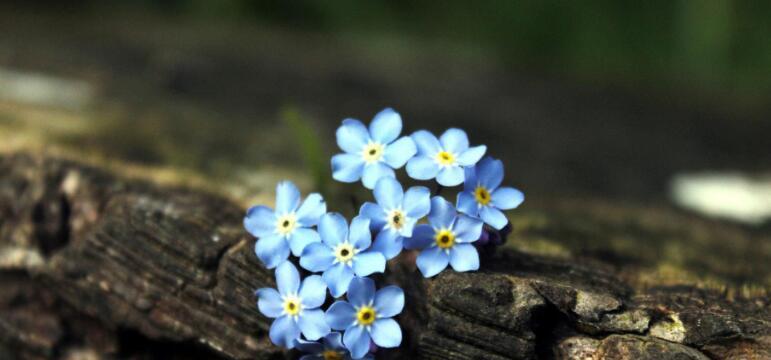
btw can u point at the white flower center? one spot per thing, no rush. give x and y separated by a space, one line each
372 152
286 224
396 219
445 159
292 306
344 253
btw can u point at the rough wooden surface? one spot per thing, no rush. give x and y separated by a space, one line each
96 266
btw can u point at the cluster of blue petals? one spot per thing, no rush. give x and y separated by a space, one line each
341 255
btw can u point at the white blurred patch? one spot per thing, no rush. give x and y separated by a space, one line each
730 195
44 90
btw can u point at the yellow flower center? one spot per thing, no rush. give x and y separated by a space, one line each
396 219
292 306
332 355
445 158
444 239
286 224
372 152
482 195
366 315
344 253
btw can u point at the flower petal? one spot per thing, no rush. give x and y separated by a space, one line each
389 301
489 173
375 214
432 261
422 167
467 229
311 210
386 333
272 250
312 324
347 168
260 221
442 213
313 292
287 279
365 264
284 331
472 155
451 176
269 302
408 226
338 279
361 291
309 347
506 198
356 339
317 257
352 135
467 204
375 172
334 340
287 197
470 178
398 152
422 237
389 193
333 229
493 217
300 238
454 140
427 143
417 202
388 243
464 257
340 315
360 236
386 126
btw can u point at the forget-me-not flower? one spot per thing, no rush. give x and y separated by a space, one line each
288 227
395 214
447 239
443 158
295 306
367 315
371 153
342 253
329 348
483 198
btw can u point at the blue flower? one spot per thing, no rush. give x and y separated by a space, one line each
446 240
374 153
295 306
395 214
443 158
342 253
482 197
330 348
367 315
286 228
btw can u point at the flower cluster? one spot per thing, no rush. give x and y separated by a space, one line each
345 254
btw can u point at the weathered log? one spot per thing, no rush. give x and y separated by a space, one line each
92 264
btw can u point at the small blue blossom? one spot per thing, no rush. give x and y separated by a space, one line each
371 153
289 227
342 253
367 316
395 214
330 348
295 306
446 240
443 158
483 198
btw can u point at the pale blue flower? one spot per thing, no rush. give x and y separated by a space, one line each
395 214
443 158
367 316
446 240
330 348
295 306
341 254
288 227
371 153
483 198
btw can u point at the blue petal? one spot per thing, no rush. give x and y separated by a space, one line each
417 202
386 333
472 155
340 315
470 179
506 198
432 261
365 264
422 167
287 279
361 291
442 213
359 236
352 135
287 197
311 210
398 152
422 237
313 292
454 141
356 339
334 340
300 238
375 214
389 193
464 257
467 229
427 143
317 257
493 217
451 176
269 302
272 250
338 279
312 324
260 221
347 168
388 243
407 227
386 126
309 347
375 172
467 204
389 301
489 173
284 331
333 229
